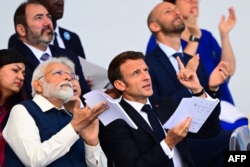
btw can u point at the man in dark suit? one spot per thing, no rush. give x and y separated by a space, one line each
167 28
64 38
149 145
166 23
35 30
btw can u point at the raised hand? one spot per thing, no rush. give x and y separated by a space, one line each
90 133
82 118
226 25
188 79
177 134
219 75
193 63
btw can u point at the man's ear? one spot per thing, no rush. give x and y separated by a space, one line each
38 86
120 85
154 27
20 30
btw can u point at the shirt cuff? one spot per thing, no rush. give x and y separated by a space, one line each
166 149
92 150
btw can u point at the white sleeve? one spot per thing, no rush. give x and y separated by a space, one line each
94 156
22 134
166 149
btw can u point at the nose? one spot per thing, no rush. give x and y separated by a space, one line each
146 75
47 21
20 76
177 12
67 76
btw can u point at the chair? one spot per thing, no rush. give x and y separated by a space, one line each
240 139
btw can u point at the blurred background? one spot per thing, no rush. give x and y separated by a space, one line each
109 27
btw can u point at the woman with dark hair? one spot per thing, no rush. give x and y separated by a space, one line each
12 71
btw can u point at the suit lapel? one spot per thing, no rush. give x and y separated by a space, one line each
29 55
165 62
160 110
137 118
53 51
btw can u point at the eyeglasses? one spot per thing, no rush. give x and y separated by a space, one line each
60 73
55 1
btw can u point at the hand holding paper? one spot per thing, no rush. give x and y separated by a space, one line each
115 111
197 108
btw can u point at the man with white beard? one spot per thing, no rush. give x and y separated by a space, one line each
40 132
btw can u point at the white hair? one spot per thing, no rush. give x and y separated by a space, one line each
39 71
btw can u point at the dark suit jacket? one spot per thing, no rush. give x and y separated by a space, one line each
72 43
165 83
128 147
32 63
164 79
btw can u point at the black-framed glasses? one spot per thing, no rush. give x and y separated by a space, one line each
60 73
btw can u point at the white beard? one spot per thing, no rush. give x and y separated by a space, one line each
57 91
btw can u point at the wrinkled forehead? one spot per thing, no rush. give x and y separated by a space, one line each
54 65
132 65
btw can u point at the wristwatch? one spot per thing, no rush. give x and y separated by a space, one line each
194 38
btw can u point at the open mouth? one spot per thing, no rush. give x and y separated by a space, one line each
75 91
148 86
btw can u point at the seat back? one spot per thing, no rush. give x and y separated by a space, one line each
240 139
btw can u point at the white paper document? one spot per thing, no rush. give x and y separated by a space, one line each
197 108
97 73
229 113
115 111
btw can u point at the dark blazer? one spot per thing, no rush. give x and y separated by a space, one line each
164 79
32 63
165 83
128 147
70 39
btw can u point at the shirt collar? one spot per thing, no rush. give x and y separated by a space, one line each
168 50
38 53
45 105
57 30
136 105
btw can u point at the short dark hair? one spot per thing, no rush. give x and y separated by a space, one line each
114 72
20 14
10 56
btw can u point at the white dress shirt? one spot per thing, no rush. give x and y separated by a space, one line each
169 52
38 53
22 134
174 153
59 38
